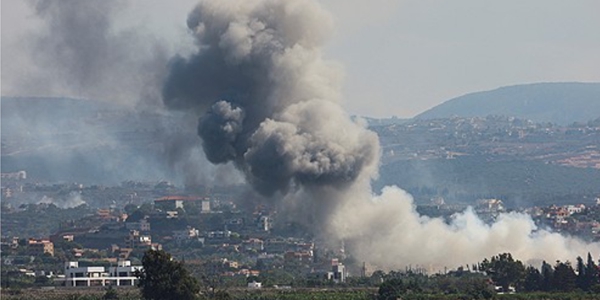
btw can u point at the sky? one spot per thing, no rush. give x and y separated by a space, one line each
400 58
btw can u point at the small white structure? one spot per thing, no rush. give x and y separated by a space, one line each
254 285
575 209
205 206
121 275
264 223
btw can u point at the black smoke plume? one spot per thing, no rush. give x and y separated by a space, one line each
269 103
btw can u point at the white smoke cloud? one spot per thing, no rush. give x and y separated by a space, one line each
72 200
385 230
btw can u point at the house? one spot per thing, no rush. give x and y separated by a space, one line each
490 205
264 223
253 244
254 285
123 274
300 256
168 203
187 235
135 240
575 209
275 245
40 247
141 225
339 273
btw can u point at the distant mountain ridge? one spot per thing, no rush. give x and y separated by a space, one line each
559 103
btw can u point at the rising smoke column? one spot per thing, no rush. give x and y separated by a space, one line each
270 104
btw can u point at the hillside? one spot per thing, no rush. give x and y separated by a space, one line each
74 140
461 159
517 182
559 103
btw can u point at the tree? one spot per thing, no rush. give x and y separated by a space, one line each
564 279
377 277
130 208
110 294
477 288
533 280
547 276
140 213
581 274
591 273
391 289
162 277
504 270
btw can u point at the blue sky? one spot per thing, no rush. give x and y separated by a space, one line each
403 57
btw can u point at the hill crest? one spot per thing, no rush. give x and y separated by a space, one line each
560 103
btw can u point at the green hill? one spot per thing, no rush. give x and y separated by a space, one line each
559 103
517 182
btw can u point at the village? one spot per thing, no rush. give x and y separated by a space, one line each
94 240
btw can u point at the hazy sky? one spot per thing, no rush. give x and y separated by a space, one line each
403 57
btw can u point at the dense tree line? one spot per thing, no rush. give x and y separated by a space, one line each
562 277
459 284
500 273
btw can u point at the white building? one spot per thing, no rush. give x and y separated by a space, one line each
254 285
205 206
338 271
490 205
121 275
264 223
575 209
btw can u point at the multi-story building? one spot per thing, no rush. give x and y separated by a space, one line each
338 271
187 235
135 240
142 225
121 275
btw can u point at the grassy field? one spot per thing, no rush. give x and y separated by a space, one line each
268 294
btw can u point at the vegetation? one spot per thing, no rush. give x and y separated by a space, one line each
472 177
562 103
164 278
503 270
38 220
501 273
